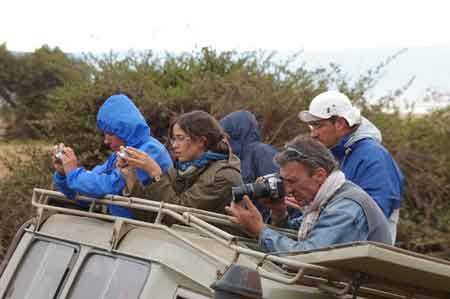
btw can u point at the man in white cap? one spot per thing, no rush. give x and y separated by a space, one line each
356 144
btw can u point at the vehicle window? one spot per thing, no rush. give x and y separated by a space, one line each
188 294
42 270
104 276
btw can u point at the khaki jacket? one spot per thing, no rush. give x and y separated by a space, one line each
207 188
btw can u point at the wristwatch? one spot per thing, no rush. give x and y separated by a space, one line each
156 178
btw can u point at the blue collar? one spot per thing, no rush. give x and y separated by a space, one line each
339 150
202 161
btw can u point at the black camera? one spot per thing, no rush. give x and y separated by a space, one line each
271 186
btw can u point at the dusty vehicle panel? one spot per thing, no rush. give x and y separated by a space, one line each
66 253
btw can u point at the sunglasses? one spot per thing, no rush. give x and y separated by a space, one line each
295 154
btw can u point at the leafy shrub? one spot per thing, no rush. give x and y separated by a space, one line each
26 82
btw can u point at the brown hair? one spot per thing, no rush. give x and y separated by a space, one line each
308 151
198 124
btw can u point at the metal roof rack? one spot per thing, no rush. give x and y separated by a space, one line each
328 279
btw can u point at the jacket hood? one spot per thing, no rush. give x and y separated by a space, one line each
234 162
119 116
365 130
242 128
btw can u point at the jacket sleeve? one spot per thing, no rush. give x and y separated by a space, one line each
101 168
344 222
61 185
161 156
208 194
95 184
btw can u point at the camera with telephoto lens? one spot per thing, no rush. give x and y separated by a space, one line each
271 187
59 153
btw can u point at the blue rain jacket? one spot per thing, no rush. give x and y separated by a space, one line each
245 140
367 163
120 117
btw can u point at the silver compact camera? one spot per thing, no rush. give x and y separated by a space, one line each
122 153
59 153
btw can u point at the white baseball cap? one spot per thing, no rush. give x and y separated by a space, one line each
328 104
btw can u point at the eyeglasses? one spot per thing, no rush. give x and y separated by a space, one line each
179 139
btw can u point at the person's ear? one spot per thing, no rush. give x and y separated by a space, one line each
341 124
204 141
320 175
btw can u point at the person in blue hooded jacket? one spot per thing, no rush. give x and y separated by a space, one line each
123 125
356 144
245 140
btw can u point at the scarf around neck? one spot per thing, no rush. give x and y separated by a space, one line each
204 160
329 187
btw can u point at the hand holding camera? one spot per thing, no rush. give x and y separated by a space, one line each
58 153
64 159
139 159
246 214
57 158
122 156
123 153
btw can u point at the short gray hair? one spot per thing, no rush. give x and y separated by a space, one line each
308 151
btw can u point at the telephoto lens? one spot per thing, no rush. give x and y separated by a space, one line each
239 192
271 187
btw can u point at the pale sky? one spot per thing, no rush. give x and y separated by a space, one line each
186 25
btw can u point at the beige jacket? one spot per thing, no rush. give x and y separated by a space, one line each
207 188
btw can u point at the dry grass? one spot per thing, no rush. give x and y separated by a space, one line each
15 201
3 171
5 150
14 150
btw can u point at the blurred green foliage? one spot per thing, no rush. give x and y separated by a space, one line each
26 83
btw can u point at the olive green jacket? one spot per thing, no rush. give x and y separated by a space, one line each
207 188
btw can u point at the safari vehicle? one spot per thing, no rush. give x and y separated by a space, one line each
69 253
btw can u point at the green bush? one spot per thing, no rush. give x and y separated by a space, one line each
27 80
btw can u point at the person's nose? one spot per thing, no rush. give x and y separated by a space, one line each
175 146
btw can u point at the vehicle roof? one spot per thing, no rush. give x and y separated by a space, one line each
156 244
384 263
201 245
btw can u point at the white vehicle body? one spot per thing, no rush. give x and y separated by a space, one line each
67 253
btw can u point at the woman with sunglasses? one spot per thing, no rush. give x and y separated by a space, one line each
205 169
